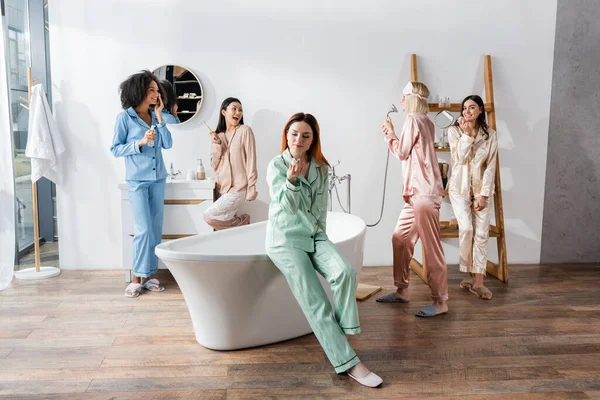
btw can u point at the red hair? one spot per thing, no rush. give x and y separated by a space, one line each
315 147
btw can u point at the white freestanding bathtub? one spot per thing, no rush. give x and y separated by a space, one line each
236 296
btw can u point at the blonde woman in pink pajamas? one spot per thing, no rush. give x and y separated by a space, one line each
422 193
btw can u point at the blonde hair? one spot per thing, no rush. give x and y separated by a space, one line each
414 104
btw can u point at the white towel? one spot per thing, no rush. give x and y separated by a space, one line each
44 141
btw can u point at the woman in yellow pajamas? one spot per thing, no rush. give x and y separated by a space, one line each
297 243
474 149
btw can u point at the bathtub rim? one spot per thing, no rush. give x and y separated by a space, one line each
164 251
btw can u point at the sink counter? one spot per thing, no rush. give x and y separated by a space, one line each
182 184
185 204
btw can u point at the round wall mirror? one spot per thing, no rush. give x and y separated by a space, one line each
183 93
444 119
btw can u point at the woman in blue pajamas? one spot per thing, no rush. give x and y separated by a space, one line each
297 243
141 146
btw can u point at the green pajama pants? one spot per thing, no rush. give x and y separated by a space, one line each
300 270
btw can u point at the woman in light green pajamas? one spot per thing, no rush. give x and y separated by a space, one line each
297 244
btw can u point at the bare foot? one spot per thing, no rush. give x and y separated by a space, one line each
402 293
440 306
129 290
399 296
479 278
479 282
133 290
468 282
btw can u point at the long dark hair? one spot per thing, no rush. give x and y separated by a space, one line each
481 120
170 98
134 89
222 125
315 147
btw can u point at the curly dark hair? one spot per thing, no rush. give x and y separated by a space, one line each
135 88
170 98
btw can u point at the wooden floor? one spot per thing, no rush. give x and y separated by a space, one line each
77 337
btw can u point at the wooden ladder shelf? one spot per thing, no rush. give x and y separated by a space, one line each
499 270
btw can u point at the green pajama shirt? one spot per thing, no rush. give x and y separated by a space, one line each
297 244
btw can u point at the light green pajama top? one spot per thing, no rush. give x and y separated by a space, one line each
297 213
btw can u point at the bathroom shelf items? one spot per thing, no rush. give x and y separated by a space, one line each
499 270
183 84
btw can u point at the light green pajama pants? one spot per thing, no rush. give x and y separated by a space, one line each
300 270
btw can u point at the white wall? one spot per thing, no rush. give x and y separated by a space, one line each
344 62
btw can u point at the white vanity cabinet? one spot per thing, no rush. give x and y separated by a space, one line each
185 203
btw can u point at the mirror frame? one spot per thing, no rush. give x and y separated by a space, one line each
180 98
444 113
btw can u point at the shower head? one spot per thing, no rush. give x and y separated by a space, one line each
392 109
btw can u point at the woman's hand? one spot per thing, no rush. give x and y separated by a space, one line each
148 136
251 194
295 169
174 110
467 127
158 108
480 203
387 127
215 138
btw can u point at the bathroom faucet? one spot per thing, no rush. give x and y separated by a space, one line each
172 174
333 181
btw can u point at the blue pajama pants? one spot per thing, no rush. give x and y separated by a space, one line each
146 199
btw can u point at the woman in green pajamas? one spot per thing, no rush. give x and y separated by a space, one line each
297 244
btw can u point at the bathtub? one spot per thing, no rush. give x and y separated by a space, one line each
236 296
